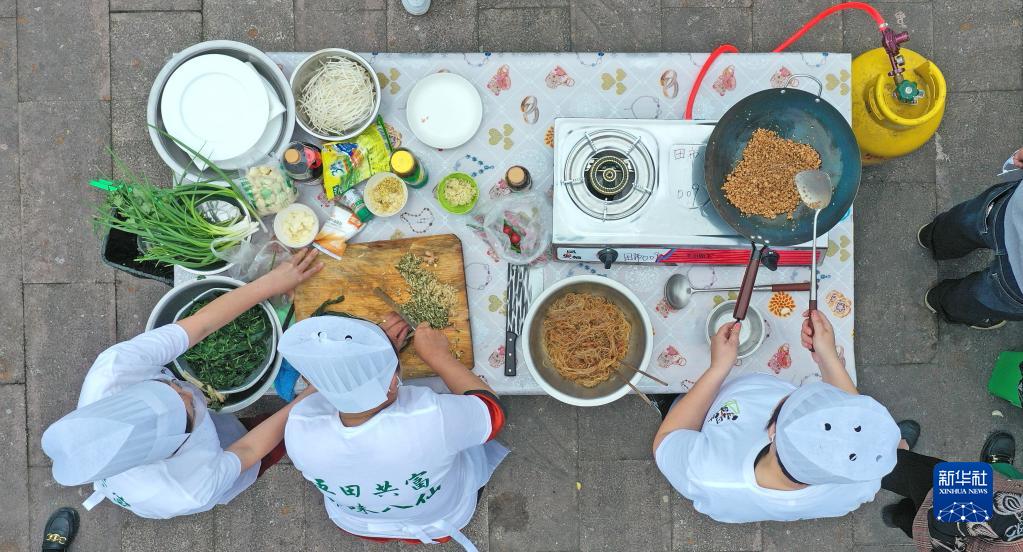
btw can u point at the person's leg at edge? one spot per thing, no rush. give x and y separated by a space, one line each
962 228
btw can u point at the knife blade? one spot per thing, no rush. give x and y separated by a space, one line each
382 295
518 304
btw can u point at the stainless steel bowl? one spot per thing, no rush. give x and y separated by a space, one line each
305 70
176 158
177 298
539 364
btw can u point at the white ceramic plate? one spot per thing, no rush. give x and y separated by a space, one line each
217 104
266 142
444 110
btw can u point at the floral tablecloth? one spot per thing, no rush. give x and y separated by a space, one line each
613 86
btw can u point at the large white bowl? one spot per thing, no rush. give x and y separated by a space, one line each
180 161
640 341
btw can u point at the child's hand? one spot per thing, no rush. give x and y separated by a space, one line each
724 346
823 339
431 345
397 330
285 277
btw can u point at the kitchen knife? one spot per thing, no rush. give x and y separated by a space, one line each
382 295
518 304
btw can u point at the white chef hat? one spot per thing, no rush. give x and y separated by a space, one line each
825 435
139 425
350 361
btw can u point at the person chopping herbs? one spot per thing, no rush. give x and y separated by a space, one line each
393 462
757 448
146 440
993 220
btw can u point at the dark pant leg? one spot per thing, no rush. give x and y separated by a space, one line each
964 228
912 477
904 515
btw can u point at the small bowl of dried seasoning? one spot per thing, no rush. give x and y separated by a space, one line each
457 193
385 194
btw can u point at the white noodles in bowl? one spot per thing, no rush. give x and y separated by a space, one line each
338 97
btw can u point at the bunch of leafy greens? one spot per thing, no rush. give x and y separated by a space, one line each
229 355
189 224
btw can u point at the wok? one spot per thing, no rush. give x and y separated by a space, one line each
796 115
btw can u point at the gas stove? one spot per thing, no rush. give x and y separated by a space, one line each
632 191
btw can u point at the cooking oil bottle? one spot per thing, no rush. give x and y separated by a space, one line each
891 119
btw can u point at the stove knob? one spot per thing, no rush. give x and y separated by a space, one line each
607 256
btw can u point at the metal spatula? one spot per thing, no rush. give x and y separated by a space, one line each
815 190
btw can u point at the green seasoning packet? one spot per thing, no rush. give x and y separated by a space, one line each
348 163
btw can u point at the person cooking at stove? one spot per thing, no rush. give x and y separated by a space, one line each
993 220
146 440
757 448
393 462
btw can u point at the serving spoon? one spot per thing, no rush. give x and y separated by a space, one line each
815 190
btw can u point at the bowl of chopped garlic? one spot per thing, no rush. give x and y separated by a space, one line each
385 194
457 193
296 225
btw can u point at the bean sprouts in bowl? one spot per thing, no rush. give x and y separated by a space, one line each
337 94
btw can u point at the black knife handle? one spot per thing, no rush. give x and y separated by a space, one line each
509 353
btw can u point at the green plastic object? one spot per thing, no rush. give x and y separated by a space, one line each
907 91
457 209
1005 378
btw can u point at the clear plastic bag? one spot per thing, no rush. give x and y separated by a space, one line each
518 227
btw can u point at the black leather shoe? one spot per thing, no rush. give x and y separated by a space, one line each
1000 447
910 431
888 515
61 529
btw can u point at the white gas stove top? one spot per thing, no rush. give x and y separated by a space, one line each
632 191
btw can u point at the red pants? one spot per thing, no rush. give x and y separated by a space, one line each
275 455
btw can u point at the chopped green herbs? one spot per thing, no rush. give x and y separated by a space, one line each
431 300
228 356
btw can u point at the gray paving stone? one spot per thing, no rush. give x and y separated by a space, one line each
449 26
504 30
193 533
601 435
347 5
351 27
706 3
63 147
136 298
892 273
532 504
906 546
979 132
868 527
100 529
616 25
962 53
132 145
775 21
267 516
693 531
819 535
702 29
523 4
12 328
14 524
859 32
65 51
155 5
637 485
67 326
915 166
266 24
142 42
8 8
8 64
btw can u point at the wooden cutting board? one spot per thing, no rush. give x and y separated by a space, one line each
368 265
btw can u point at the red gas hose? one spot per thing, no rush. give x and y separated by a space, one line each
863 6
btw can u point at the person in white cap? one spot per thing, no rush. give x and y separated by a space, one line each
756 448
147 440
393 462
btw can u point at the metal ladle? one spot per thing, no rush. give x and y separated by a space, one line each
678 290
815 190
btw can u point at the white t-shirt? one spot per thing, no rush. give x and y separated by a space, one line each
201 474
411 471
714 467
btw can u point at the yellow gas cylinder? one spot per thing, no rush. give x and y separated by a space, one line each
885 126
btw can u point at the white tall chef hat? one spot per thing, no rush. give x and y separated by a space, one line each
350 361
133 427
825 435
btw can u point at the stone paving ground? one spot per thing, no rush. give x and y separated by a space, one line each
74 75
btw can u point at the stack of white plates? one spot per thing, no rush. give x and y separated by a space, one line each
221 106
